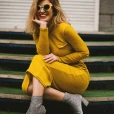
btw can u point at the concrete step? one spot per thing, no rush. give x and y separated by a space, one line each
28 47
95 36
7 112
11 72
15 35
10 41
90 95
22 57
6 56
93 76
102 76
10 76
96 82
31 42
21 62
17 46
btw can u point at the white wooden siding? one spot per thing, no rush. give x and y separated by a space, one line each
13 14
82 14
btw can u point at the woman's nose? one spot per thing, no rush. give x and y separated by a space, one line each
42 10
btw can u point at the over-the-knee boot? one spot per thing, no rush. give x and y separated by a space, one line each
75 101
36 106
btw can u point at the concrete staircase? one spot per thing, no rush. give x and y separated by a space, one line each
16 52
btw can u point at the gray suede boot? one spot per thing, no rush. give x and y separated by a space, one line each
36 106
75 101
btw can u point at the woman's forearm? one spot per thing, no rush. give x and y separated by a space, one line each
42 44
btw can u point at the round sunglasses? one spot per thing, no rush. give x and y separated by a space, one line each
46 7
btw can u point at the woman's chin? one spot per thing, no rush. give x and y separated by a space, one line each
44 20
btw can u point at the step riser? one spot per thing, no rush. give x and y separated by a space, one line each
31 49
85 37
96 85
101 85
15 35
93 108
23 105
97 37
23 65
18 50
10 105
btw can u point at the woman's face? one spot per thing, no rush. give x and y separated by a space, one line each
43 15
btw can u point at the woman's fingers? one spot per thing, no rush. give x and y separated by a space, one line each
36 21
42 24
47 56
50 58
51 61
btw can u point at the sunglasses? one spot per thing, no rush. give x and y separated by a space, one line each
46 7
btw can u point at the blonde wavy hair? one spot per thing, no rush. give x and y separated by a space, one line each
58 17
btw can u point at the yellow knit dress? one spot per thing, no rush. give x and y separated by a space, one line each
69 73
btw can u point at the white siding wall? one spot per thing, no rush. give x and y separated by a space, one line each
82 14
13 14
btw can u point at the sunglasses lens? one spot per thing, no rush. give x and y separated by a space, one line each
38 8
46 7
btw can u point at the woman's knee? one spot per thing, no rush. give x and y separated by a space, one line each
38 57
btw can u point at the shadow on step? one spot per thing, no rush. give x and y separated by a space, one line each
56 107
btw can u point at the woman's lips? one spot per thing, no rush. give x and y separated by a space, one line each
42 16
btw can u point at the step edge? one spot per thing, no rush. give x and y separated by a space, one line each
99 99
9 57
25 97
31 42
108 78
12 96
15 57
11 76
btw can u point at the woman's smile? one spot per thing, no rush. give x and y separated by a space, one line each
43 16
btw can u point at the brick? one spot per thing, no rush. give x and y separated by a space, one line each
107 6
113 20
105 21
106 29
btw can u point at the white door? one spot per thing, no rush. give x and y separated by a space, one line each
82 14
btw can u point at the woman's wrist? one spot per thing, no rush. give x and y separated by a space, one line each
43 25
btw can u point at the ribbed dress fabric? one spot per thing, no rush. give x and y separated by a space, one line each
69 73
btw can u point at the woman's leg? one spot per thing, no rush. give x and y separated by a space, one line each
53 94
36 106
76 81
38 89
74 100
49 93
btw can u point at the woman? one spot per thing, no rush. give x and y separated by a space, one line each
57 71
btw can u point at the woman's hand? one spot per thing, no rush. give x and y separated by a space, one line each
50 58
42 24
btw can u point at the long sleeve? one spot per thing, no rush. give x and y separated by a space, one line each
42 42
80 49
